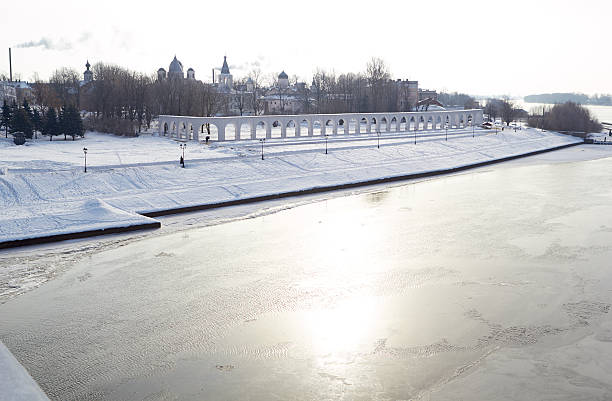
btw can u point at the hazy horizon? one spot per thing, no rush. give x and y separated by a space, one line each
474 46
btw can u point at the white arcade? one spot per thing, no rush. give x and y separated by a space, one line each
236 128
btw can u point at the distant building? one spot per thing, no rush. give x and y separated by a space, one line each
16 91
285 98
175 72
408 94
87 74
283 80
7 92
225 81
427 94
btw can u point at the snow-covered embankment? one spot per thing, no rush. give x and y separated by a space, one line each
53 198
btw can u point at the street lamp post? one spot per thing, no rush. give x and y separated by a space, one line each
326 143
472 122
183 146
262 140
85 153
416 125
446 128
378 139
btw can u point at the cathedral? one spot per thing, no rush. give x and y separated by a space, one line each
225 81
175 71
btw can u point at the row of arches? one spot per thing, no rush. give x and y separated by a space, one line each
257 127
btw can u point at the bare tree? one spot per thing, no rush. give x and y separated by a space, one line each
257 101
377 74
65 82
492 109
507 110
241 99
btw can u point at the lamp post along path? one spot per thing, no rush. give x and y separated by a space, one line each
182 161
262 140
85 153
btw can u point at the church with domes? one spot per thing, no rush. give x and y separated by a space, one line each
175 72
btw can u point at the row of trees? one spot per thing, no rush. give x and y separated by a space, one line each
503 108
124 102
579 98
458 100
23 122
569 116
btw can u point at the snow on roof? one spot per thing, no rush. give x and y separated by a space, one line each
17 84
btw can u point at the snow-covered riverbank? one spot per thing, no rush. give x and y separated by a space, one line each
44 191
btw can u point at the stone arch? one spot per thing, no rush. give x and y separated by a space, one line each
231 133
260 129
439 124
305 128
393 125
402 126
430 120
363 124
352 126
165 129
383 126
276 129
291 128
342 126
245 130
317 127
330 127
209 129
412 123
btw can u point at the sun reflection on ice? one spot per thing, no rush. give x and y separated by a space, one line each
346 328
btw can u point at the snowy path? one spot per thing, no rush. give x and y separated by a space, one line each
51 196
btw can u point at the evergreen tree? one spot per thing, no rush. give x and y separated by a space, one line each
71 123
36 121
76 123
27 108
63 121
5 118
21 123
51 125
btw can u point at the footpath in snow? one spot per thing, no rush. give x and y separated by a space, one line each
44 191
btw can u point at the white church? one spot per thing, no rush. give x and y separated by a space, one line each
282 98
175 71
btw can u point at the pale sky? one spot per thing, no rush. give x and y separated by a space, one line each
479 47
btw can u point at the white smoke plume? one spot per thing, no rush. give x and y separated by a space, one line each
50 44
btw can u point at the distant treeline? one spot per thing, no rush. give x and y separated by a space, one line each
554 98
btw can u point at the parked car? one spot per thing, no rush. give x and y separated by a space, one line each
487 125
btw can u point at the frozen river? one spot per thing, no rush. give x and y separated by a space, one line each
495 284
